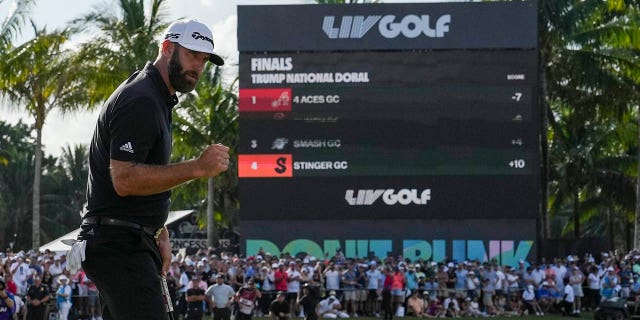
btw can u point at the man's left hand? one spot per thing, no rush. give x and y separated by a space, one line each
165 250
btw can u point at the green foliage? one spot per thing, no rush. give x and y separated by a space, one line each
591 76
207 116
120 42
16 180
11 25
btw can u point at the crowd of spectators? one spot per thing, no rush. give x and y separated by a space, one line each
286 286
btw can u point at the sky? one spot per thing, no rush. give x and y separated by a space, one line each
221 15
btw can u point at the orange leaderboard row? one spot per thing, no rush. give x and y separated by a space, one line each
265 165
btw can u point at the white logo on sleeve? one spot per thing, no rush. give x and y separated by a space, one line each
127 147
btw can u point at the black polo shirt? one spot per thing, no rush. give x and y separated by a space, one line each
135 126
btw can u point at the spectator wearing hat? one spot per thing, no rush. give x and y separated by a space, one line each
331 307
473 285
266 277
7 302
37 297
279 308
576 279
21 272
197 280
246 299
609 283
63 297
308 301
195 299
131 177
219 298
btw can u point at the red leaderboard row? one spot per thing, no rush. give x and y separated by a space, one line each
265 100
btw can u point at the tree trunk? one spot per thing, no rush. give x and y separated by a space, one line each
212 235
576 216
36 189
543 104
610 228
636 233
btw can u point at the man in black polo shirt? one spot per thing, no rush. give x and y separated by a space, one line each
130 178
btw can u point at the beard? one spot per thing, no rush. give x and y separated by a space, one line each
178 78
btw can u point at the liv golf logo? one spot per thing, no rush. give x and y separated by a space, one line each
366 197
410 26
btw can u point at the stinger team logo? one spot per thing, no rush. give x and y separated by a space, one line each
265 165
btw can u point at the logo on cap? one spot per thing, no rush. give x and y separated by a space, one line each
196 35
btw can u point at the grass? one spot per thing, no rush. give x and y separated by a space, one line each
584 315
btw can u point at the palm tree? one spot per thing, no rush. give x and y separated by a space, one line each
63 191
120 42
12 24
208 115
41 76
589 63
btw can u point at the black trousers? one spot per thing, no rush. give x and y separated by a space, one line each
124 263
35 313
221 313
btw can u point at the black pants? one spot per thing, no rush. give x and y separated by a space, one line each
35 313
125 263
221 313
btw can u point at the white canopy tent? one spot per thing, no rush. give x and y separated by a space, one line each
59 248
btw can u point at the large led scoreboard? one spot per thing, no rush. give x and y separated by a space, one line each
408 129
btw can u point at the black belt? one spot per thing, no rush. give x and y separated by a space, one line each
104 221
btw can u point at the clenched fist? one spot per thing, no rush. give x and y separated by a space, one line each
214 160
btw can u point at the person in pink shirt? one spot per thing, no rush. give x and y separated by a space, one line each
398 283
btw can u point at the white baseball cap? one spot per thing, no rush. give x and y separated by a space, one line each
193 35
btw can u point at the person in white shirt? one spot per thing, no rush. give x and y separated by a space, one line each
559 270
529 298
21 273
332 276
331 307
374 279
568 298
593 292
499 283
219 298
56 270
293 286
63 297
451 306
